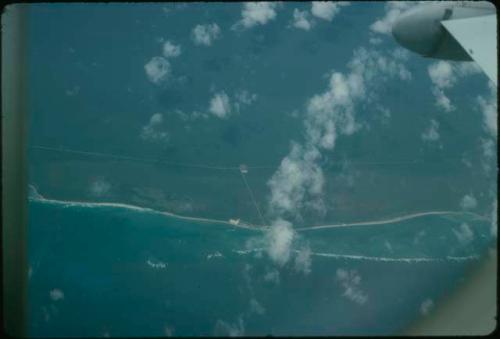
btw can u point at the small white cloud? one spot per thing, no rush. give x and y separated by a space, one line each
243 98
73 91
171 50
302 20
156 119
442 100
56 294
464 233
168 331
272 276
303 260
489 108
468 202
298 177
375 41
327 10
100 187
256 13
256 307
153 130
223 328
426 306
205 35
157 69
432 133
393 10
279 238
350 281
489 147
220 105
442 74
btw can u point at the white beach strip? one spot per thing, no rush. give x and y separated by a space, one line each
389 221
142 209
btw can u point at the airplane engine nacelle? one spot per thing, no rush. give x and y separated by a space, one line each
420 30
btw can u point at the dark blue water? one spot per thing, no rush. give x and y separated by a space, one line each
125 272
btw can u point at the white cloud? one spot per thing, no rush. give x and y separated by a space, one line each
157 69
220 105
489 108
468 202
256 307
223 328
279 237
100 187
205 35
432 133
393 10
489 147
426 306
302 20
56 294
256 13
442 100
74 91
445 75
442 74
303 260
297 177
464 233
168 331
171 50
375 41
298 183
350 281
243 98
153 131
272 276
327 10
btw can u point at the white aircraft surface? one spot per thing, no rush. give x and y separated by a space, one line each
460 31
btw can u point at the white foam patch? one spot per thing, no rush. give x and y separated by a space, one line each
216 254
156 264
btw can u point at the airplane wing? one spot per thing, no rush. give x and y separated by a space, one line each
477 35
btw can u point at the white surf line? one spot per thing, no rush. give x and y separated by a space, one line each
389 259
387 221
369 258
142 209
253 199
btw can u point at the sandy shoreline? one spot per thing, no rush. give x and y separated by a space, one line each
247 225
389 221
141 209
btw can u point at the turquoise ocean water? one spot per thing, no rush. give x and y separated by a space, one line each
131 272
